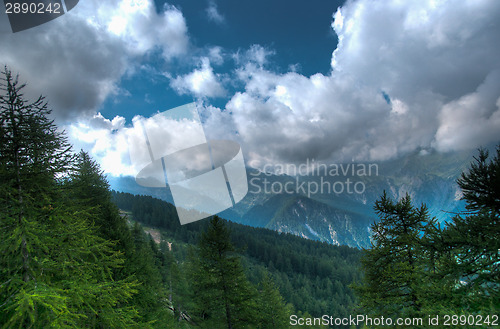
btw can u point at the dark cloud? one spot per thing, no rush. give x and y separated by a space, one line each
78 59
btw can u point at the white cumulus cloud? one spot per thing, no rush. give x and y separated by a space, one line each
434 60
202 82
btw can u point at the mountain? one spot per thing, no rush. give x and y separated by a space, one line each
313 220
345 218
334 203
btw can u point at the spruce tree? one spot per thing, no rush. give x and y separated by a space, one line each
176 280
417 267
480 184
32 154
151 298
87 187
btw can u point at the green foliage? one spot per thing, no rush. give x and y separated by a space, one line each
151 298
86 187
415 267
55 271
68 281
480 185
273 312
143 262
223 294
32 151
473 238
67 257
394 265
311 275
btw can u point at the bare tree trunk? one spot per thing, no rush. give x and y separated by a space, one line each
24 248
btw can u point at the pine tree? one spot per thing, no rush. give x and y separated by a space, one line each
176 280
473 238
32 154
273 312
86 187
88 183
55 272
223 294
480 185
416 267
151 298
394 265
437 290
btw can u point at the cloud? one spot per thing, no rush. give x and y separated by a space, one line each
436 54
473 119
216 55
106 140
445 47
202 82
78 59
112 142
255 55
435 61
213 13
138 25
405 75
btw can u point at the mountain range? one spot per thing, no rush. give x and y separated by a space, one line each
334 203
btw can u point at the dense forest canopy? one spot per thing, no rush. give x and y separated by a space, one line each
311 275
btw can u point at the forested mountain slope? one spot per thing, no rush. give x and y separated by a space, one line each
313 276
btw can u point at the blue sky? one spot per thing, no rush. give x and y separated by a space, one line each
234 26
298 35
289 80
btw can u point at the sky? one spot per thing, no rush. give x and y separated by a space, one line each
290 80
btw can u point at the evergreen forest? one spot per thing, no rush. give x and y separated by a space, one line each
74 254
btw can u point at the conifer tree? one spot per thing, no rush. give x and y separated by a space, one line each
458 266
273 312
86 186
473 237
394 265
151 298
55 272
176 280
224 297
32 153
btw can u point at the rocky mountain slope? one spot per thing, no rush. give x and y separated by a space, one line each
335 203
